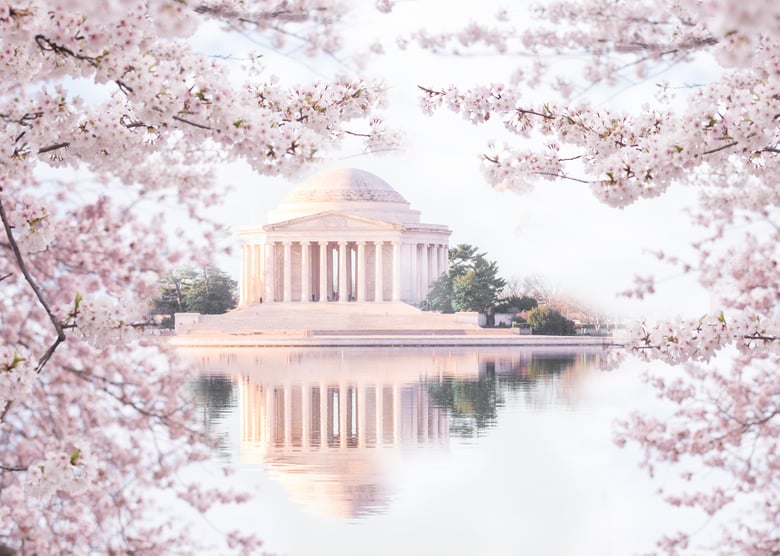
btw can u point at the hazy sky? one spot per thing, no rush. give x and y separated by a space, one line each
558 230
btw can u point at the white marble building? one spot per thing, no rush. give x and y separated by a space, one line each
343 235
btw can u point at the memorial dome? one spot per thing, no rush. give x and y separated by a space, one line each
344 184
345 190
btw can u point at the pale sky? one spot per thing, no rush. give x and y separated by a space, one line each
559 230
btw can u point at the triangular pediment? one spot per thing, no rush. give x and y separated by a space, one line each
332 220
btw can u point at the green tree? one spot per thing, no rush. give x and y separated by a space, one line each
440 296
515 304
545 320
471 284
208 291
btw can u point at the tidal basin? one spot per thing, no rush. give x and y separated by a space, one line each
431 450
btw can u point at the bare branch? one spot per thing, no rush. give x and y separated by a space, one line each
723 147
38 293
182 120
563 177
13 468
523 111
53 147
48 45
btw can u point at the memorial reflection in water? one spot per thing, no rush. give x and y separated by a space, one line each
332 424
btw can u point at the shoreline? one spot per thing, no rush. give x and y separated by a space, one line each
312 339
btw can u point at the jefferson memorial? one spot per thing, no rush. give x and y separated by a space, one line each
343 235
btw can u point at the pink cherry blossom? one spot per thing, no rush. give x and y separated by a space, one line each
720 136
109 116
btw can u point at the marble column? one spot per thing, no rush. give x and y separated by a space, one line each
413 273
361 271
323 271
445 258
257 267
250 274
287 272
350 271
343 293
379 286
305 273
243 283
424 272
396 271
270 270
432 262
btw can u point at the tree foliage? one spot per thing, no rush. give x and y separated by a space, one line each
208 291
471 284
720 136
516 303
547 321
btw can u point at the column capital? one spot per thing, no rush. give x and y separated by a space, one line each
287 243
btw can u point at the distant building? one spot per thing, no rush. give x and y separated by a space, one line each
343 235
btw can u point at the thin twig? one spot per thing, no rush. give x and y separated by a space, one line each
726 146
53 147
13 468
36 289
201 126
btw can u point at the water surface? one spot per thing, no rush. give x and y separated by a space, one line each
431 451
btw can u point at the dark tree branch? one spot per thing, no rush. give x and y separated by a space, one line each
38 293
721 148
48 45
523 111
184 121
53 147
13 468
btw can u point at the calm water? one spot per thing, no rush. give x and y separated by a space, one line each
431 451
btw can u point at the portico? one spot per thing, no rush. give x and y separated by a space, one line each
342 236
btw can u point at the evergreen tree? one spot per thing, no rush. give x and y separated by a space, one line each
208 291
472 283
548 321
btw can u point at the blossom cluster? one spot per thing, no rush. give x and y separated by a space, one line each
17 375
720 136
111 118
72 472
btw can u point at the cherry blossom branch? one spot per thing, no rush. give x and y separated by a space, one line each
162 416
563 177
54 147
525 111
13 468
758 336
36 290
195 124
721 148
47 45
